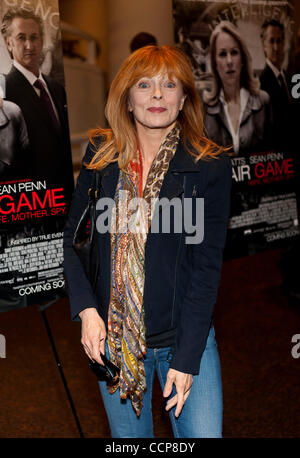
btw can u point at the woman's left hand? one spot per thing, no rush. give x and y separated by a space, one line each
183 383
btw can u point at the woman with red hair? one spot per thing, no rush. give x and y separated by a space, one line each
153 304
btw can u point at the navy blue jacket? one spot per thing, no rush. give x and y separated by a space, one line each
181 280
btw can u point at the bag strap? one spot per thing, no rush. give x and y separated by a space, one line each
94 190
94 194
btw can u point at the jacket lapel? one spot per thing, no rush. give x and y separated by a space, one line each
218 110
27 94
253 104
181 163
109 179
3 118
58 102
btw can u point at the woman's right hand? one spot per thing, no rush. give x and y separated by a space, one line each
93 334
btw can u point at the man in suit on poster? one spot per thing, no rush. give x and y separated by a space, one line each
276 82
41 99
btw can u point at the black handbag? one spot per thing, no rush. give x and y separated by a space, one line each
85 235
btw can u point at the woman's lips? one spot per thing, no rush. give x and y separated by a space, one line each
156 109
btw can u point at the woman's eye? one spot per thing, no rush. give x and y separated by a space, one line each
143 85
234 52
170 85
222 54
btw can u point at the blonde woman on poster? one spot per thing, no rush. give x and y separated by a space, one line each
236 111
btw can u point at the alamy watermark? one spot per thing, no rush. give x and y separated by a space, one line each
296 89
2 346
187 215
296 348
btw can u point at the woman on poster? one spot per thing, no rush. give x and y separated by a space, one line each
155 294
236 111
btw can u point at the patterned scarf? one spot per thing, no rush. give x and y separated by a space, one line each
126 327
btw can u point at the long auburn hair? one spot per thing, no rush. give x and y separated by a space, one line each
119 141
247 80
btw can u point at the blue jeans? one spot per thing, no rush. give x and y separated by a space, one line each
201 415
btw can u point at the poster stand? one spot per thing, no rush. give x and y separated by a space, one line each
42 309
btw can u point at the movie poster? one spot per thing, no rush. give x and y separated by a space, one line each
242 54
36 177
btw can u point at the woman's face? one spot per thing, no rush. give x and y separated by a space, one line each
155 101
228 58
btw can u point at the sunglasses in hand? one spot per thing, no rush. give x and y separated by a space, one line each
108 372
